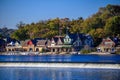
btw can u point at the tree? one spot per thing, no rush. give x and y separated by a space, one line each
104 22
112 26
97 35
86 25
114 10
76 25
20 25
20 34
108 11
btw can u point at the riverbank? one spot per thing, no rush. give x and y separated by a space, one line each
49 53
62 65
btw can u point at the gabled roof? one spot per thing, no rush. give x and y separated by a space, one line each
48 43
58 40
55 39
35 40
8 40
108 40
75 36
116 40
41 42
24 43
31 42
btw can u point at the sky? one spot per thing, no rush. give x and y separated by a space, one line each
28 11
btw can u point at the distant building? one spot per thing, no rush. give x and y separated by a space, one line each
70 43
88 40
59 44
13 46
28 45
41 45
107 45
117 43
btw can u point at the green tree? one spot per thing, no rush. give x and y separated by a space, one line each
104 22
112 26
114 10
76 25
20 34
86 25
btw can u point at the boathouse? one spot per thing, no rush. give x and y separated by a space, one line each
14 46
107 45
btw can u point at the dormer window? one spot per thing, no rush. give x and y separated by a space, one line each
67 40
52 42
17 44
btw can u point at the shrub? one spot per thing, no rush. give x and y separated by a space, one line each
118 51
85 51
93 50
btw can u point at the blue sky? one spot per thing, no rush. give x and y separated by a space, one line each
28 11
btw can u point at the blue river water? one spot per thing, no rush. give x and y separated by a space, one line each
21 73
115 59
38 73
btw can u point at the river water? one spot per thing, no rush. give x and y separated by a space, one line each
21 73
59 73
115 59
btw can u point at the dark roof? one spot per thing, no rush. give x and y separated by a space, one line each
58 39
41 42
75 36
116 40
36 39
2 42
55 39
9 40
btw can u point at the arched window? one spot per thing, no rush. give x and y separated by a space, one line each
9 49
12 49
37 49
30 49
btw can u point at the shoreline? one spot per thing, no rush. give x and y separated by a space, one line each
63 65
54 54
39 54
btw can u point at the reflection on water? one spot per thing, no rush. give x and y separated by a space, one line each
115 59
58 74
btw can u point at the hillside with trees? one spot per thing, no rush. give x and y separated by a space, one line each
106 22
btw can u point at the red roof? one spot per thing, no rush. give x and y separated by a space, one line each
30 43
